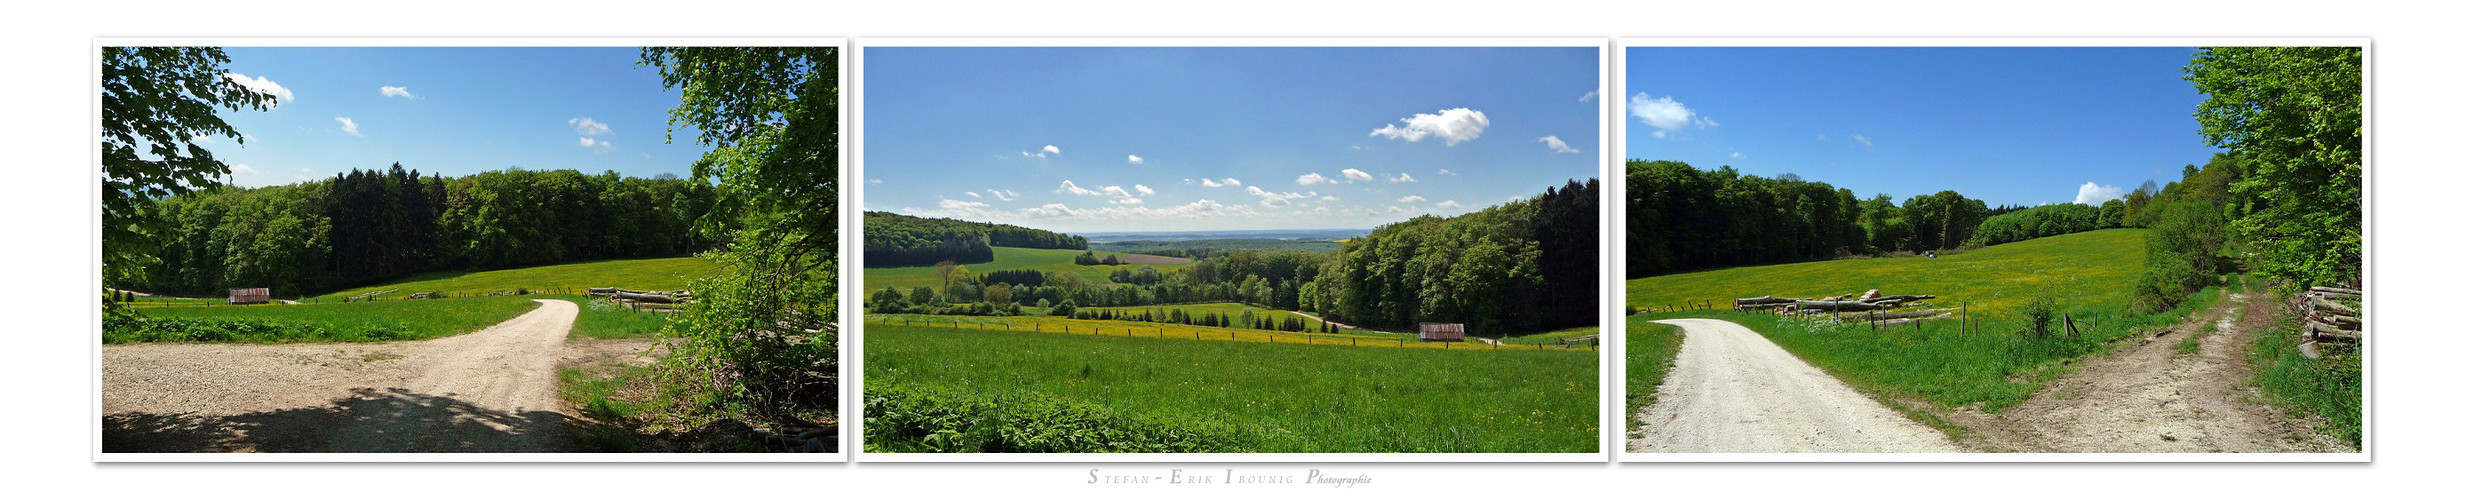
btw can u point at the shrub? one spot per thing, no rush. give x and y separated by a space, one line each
903 419
2038 317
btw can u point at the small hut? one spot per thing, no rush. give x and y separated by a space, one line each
1442 332
251 295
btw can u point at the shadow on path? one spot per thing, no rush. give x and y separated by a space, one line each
369 421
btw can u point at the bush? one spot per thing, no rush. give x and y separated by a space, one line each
2038 317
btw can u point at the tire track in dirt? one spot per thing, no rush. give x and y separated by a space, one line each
1733 391
494 390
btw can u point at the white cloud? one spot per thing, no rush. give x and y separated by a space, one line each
260 85
1734 155
1557 145
873 181
1118 210
1663 113
1053 150
1227 182
1143 190
972 194
1136 160
1452 125
597 145
393 91
1312 178
1589 95
950 204
1002 195
1513 199
1402 177
1397 210
1450 205
587 126
1329 198
1862 139
2092 194
242 168
1073 188
1446 172
1357 175
1410 199
348 126
1275 199
1129 201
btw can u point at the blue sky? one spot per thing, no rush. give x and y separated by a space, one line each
453 110
1214 138
2019 126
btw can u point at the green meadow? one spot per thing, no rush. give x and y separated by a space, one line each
370 321
940 389
1005 258
638 274
1987 361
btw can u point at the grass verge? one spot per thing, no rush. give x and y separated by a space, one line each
1651 349
375 321
2330 387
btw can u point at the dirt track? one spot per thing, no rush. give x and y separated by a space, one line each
1732 391
2147 397
494 390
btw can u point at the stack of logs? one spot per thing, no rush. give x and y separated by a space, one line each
1875 306
639 300
2326 319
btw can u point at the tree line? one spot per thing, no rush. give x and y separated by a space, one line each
1524 266
893 240
1682 218
368 226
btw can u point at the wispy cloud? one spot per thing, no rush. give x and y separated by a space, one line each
348 126
1003 195
1048 150
1136 160
1589 95
393 91
1450 205
1227 182
1311 179
587 126
1446 172
1410 199
1557 145
1451 125
1402 177
1862 139
1357 175
597 145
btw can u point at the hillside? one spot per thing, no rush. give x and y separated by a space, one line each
1010 258
639 274
2093 268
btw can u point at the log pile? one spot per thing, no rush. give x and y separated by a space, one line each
644 300
2326 318
1872 307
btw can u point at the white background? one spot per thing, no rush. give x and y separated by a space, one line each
49 231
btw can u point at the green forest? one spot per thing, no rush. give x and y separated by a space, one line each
369 226
893 240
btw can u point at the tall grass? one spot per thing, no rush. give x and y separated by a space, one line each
373 321
2331 387
1277 398
600 319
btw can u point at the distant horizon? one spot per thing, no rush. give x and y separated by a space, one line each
1129 139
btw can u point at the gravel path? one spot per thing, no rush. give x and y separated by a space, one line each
2149 397
494 390
1733 391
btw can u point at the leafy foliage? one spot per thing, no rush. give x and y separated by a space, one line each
157 103
1519 267
904 420
758 332
2294 117
893 240
2038 222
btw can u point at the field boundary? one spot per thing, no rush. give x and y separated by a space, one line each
1201 333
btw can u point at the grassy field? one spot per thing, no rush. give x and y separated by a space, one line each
1934 364
600 319
638 274
1004 258
1651 349
2092 268
1553 337
1051 325
372 321
933 388
2330 387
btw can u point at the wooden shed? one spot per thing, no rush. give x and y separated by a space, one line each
1442 332
251 295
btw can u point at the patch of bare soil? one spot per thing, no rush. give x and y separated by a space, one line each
2146 396
1140 258
494 390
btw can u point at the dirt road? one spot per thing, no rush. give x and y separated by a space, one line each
1732 391
494 390
2150 397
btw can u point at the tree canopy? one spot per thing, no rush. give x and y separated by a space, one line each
2293 116
158 103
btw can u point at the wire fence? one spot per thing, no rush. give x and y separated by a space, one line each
1195 332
